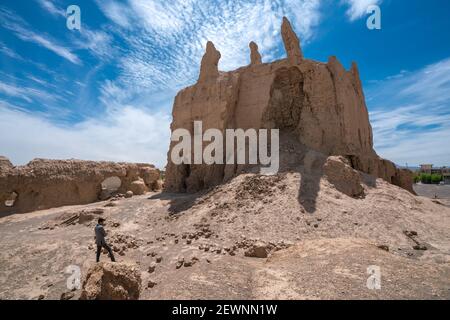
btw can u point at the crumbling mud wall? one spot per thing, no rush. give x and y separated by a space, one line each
321 104
43 184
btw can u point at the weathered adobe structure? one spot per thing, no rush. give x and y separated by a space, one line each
43 184
321 105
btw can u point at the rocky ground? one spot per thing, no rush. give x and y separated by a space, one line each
290 236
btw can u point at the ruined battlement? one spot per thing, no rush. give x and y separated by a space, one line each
43 184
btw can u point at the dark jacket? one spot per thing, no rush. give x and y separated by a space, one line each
100 235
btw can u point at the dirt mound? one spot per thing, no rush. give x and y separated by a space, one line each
304 238
112 281
256 187
345 266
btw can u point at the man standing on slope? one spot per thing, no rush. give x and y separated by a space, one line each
100 240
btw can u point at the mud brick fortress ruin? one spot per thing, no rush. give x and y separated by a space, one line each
318 107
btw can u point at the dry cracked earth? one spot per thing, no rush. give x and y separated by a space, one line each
256 237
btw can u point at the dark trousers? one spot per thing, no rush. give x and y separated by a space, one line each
99 251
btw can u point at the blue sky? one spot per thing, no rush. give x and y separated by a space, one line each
106 92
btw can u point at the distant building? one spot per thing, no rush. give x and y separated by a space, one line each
443 171
426 168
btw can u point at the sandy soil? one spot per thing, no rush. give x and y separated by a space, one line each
321 242
441 193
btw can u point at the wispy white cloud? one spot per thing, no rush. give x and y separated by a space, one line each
49 44
14 55
164 41
97 42
14 91
40 81
410 114
51 8
117 11
29 94
21 29
358 8
128 134
9 52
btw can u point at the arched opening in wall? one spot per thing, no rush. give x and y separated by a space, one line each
110 186
11 200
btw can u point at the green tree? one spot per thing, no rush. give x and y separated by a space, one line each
436 178
425 178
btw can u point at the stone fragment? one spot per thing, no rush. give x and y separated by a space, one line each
257 250
152 267
180 262
344 178
67 295
112 281
129 194
138 187
420 247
